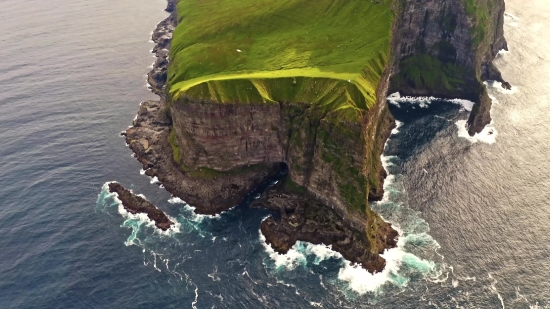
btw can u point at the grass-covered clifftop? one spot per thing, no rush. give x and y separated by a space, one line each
330 53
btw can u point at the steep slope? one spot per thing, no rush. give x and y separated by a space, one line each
446 48
287 82
254 84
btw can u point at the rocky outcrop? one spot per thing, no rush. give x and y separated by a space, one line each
446 48
336 162
306 219
212 155
136 204
162 36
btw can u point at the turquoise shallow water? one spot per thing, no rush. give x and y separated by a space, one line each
473 214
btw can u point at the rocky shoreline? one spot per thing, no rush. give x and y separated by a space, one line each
136 204
302 217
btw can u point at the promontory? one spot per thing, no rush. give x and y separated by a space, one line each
252 87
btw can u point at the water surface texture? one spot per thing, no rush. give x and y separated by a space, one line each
473 212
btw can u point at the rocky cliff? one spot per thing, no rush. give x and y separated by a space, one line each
212 151
446 48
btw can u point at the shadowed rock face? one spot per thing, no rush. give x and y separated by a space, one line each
136 204
210 193
225 136
446 48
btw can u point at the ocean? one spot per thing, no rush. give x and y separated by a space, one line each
473 213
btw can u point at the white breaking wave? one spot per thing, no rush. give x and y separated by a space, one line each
398 124
487 135
289 261
193 216
136 221
423 102
498 87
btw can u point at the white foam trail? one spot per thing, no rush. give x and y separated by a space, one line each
194 303
488 135
142 172
494 289
214 275
154 180
423 102
511 20
193 216
510 16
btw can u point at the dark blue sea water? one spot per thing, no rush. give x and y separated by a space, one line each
473 212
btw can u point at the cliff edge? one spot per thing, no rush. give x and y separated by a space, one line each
446 49
287 85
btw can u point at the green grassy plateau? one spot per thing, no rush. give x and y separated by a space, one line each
329 53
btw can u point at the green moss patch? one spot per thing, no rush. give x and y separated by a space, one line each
479 12
329 52
428 72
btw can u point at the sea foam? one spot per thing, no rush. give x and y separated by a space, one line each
134 221
423 102
487 135
190 211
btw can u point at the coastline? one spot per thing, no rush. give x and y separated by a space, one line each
303 216
149 140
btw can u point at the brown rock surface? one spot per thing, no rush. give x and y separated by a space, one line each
136 204
306 219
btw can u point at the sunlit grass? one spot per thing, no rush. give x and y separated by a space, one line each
326 52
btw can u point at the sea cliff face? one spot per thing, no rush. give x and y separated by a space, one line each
325 157
446 48
212 153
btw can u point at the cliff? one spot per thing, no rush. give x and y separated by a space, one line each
233 112
446 48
